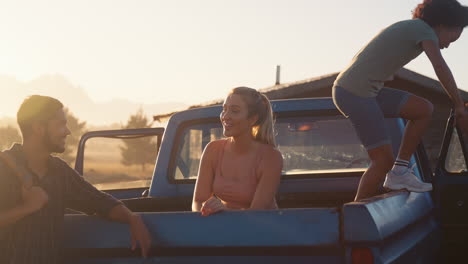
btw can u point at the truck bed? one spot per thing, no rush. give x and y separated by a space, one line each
285 201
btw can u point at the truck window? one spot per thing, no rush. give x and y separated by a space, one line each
193 141
112 163
455 161
309 145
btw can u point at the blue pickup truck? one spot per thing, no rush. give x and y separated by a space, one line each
317 220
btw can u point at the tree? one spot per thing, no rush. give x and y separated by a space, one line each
77 129
8 135
138 151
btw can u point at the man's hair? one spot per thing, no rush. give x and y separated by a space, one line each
36 108
449 13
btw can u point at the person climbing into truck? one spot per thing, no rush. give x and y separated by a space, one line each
360 95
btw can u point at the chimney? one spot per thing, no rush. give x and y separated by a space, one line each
278 69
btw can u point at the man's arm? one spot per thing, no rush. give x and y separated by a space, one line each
138 231
13 205
83 196
11 216
33 200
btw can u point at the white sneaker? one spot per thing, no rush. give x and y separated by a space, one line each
407 181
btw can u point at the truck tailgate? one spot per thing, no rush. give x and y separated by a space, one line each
307 234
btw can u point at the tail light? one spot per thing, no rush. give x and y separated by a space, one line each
362 256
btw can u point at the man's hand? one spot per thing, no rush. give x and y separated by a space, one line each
34 198
140 234
212 206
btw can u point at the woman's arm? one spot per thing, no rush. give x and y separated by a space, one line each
270 169
443 72
203 187
447 80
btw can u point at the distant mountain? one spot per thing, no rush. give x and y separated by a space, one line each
13 92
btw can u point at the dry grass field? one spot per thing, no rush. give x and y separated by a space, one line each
103 166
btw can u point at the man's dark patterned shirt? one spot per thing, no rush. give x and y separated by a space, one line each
38 237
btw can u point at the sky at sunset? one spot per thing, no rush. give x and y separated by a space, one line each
194 51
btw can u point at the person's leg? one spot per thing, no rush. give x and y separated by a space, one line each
419 112
397 103
381 162
368 120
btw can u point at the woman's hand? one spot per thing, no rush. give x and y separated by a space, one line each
212 206
461 119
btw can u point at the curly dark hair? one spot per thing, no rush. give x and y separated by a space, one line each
448 13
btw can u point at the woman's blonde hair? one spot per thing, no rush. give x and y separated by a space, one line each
258 104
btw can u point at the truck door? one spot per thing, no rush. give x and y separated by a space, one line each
119 162
451 188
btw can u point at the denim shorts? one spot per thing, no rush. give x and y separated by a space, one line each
367 114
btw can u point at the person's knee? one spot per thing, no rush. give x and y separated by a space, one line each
417 108
427 109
